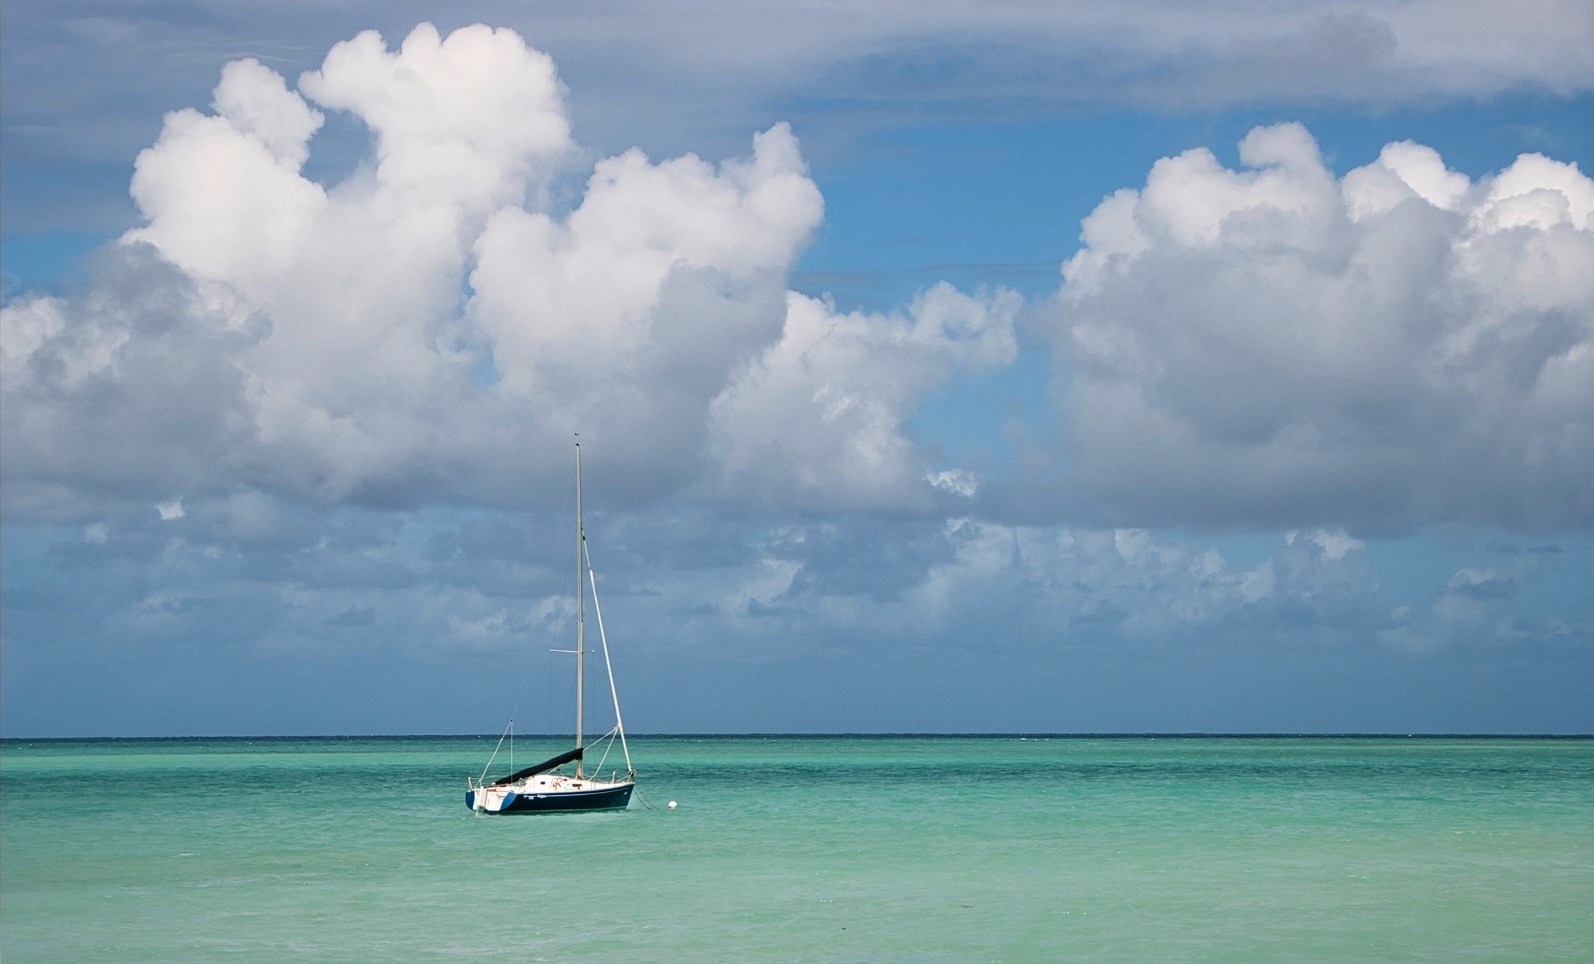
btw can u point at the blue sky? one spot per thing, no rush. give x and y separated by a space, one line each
950 367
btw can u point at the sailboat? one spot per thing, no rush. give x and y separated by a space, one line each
548 787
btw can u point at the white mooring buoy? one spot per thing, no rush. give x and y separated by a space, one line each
672 804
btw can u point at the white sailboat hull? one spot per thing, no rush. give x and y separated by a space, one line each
548 793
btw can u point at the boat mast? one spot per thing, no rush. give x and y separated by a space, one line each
581 620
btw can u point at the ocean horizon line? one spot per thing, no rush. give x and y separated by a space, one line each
839 735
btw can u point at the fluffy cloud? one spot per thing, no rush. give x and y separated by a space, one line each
133 390
1391 348
818 417
426 329
630 315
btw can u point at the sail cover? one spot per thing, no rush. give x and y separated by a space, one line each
542 767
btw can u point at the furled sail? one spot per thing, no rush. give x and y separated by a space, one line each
542 767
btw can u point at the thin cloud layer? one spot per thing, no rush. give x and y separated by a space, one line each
80 86
433 327
1274 345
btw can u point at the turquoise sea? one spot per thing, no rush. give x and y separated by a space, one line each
848 848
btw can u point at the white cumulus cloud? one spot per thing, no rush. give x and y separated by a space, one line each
957 481
1395 347
427 328
819 417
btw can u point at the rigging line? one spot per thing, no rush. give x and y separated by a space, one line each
525 664
607 740
490 759
597 611
520 687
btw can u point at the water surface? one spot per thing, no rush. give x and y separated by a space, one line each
806 849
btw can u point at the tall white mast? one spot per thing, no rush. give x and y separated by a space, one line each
581 619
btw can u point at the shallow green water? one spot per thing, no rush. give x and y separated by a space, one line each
806 849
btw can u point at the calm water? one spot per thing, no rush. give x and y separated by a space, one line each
806 849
